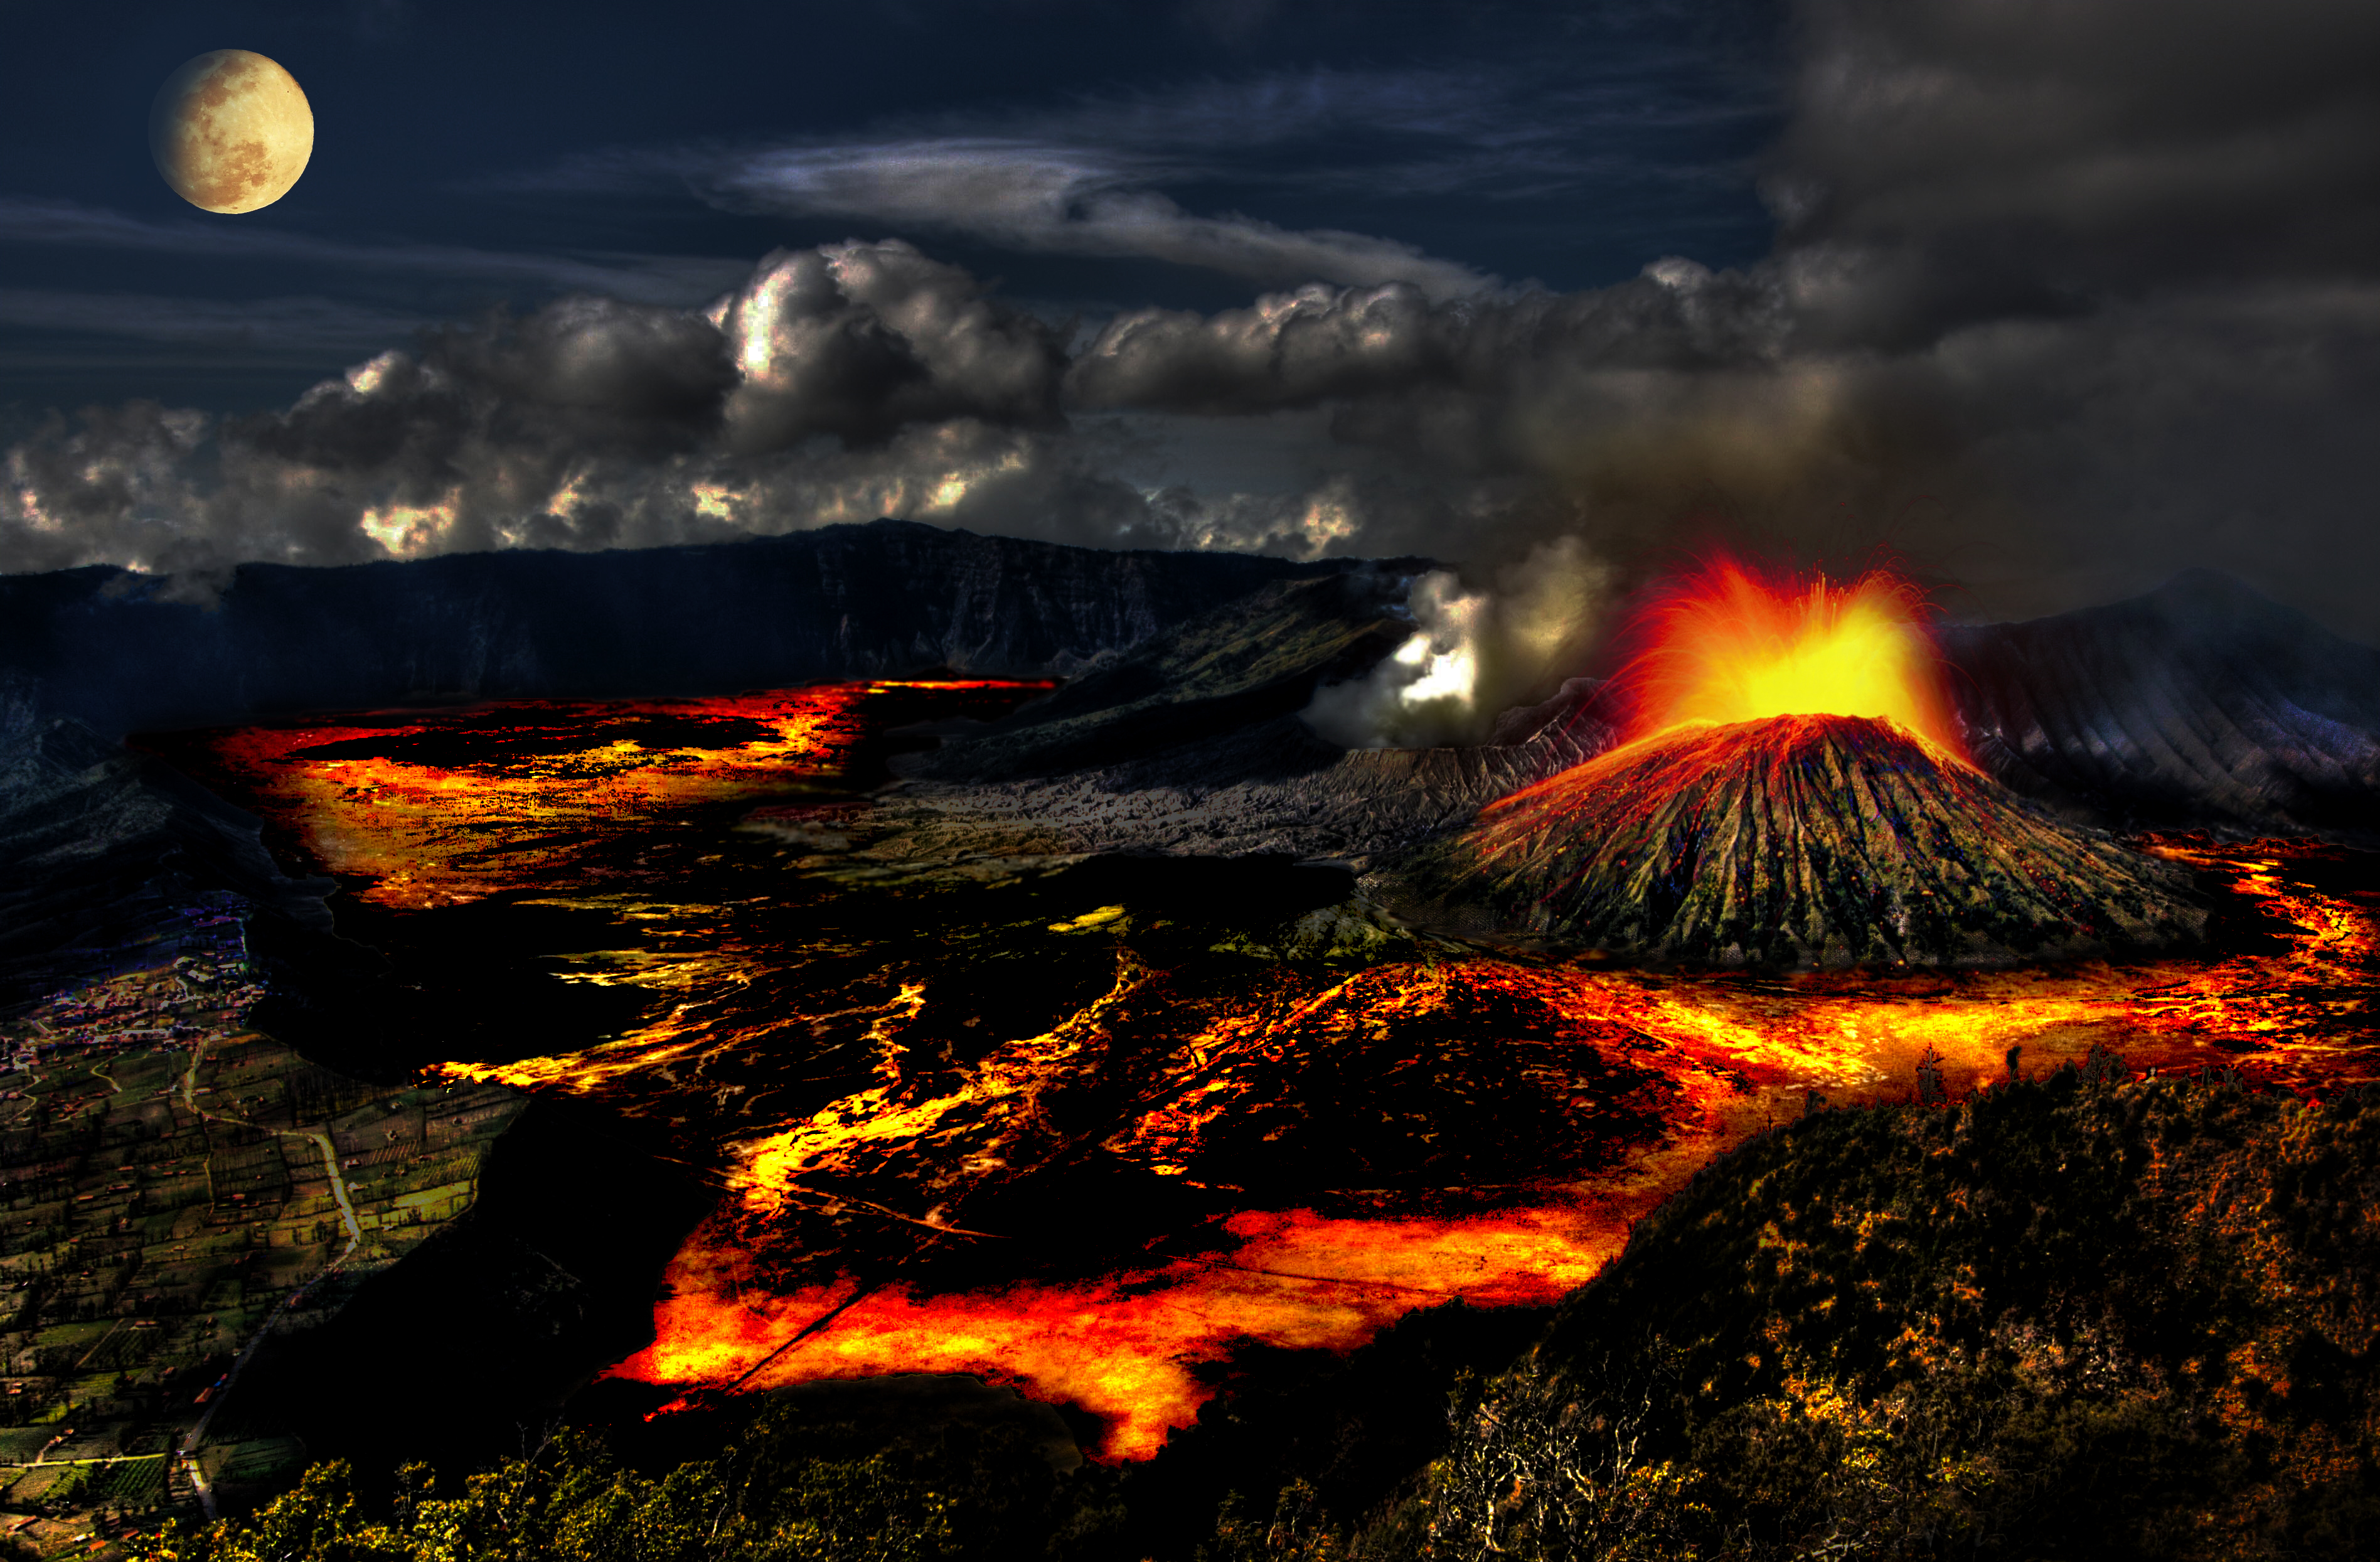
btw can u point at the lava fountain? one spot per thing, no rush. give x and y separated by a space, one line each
1727 643
1794 793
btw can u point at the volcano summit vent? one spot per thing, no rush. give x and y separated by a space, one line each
1795 841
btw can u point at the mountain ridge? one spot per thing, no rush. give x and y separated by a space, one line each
120 653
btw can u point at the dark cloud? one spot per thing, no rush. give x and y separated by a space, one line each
837 384
1953 160
2063 299
117 489
582 374
1351 345
859 340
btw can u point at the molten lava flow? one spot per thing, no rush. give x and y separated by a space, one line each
1182 1152
438 807
1130 1345
1727 645
1137 1344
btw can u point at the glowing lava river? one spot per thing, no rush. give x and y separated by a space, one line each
1045 1119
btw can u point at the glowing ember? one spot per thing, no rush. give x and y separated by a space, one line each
1728 644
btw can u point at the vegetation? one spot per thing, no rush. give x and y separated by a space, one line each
786 1491
2074 1318
2068 1318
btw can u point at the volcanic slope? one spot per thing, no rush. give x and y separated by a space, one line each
1795 841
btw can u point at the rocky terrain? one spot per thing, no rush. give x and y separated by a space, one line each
1192 743
2199 705
1795 842
1177 732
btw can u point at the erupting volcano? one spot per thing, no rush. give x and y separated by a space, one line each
1724 645
1792 794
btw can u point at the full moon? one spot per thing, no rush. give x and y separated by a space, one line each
231 132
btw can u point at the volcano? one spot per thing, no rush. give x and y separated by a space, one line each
1795 841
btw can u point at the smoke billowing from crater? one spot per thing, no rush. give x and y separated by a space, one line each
1474 651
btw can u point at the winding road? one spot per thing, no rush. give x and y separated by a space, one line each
187 1452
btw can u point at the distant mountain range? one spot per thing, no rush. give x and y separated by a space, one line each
121 653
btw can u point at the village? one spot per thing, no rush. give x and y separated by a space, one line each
175 1192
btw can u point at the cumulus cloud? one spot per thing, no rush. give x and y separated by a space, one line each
860 340
1348 343
837 384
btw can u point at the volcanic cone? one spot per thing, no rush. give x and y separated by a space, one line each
1795 841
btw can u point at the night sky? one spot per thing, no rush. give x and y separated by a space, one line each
2051 301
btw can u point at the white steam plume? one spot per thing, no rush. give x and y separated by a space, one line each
1472 652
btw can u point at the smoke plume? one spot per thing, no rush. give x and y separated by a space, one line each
1472 652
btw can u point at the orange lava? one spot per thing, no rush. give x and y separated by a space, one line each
1729 643
813 1265
425 833
1138 1346
1128 1346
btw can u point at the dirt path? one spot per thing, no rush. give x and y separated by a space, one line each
321 1138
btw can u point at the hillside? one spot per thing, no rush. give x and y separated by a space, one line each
2074 1318
103 849
1796 841
2200 703
2067 1318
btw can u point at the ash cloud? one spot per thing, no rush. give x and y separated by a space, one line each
2063 300
1472 652
1949 161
